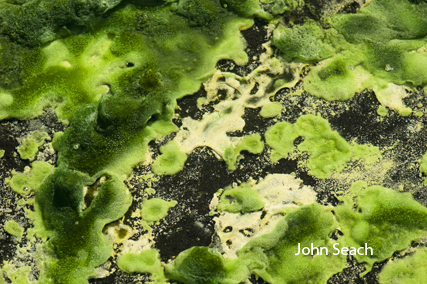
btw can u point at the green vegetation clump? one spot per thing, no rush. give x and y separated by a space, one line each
241 199
328 151
251 143
382 44
411 269
385 219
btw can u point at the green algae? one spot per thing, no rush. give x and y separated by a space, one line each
307 42
147 261
59 204
155 209
117 86
171 161
18 275
272 256
411 269
240 199
14 229
271 110
30 180
382 44
197 265
2 153
30 144
387 220
328 151
251 143
382 111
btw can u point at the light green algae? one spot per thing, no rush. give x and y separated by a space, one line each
382 44
18 275
197 265
271 110
328 151
251 143
147 261
30 144
155 209
382 111
240 199
171 161
14 229
1 153
386 220
271 256
411 269
30 180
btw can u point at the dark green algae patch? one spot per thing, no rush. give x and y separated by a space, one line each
114 72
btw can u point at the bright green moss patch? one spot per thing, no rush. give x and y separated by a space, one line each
30 180
280 137
411 269
147 261
272 256
251 143
30 144
241 199
271 110
328 151
385 219
171 161
197 265
2 153
155 209
14 229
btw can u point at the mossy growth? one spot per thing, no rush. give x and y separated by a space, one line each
30 180
273 256
13 228
251 143
381 44
240 199
411 269
382 111
308 41
272 109
59 208
197 265
147 261
1 153
155 209
18 275
116 84
328 151
385 219
30 144
171 161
